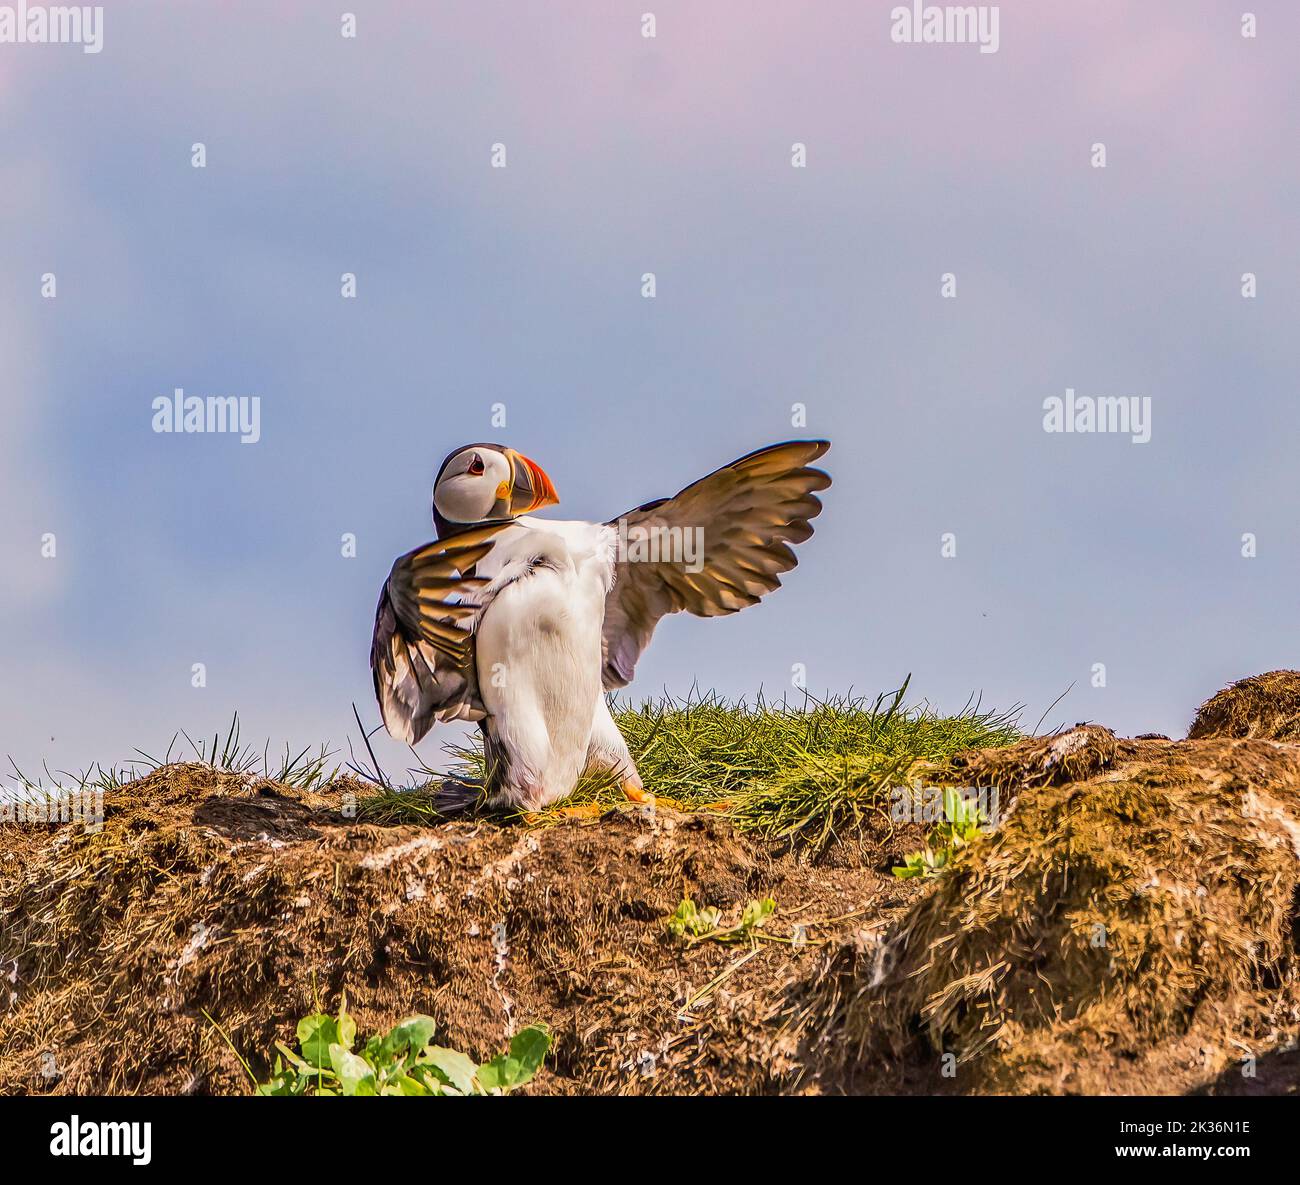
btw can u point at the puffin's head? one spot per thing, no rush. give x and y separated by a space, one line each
488 483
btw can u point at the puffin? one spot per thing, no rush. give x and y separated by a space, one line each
522 624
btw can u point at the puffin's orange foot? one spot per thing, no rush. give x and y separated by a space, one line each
671 804
585 810
642 797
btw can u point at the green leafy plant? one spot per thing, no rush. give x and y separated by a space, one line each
755 914
689 921
404 1061
963 820
693 924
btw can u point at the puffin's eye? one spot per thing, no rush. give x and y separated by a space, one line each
475 466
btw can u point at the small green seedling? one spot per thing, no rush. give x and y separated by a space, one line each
402 1062
689 921
963 820
694 924
756 913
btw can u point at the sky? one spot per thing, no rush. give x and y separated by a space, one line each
961 542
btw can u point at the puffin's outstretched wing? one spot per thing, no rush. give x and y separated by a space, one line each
422 655
749 513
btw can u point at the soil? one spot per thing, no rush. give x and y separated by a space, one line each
245 900
214 910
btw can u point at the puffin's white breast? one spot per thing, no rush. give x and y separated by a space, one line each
538 650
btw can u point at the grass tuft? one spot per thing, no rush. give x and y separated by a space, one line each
304 770
809 770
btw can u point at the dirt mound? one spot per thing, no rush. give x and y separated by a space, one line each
1131 926
1264 706
207 892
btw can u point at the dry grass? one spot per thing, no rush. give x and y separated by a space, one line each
1136 887
1265 706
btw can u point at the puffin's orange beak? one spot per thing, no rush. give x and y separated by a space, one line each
532 489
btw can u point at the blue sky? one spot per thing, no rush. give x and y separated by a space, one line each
521 286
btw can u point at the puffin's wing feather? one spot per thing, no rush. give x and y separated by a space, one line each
749 511
422 655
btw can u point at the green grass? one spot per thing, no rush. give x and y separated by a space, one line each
98 779
304 770
810 769
397 804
